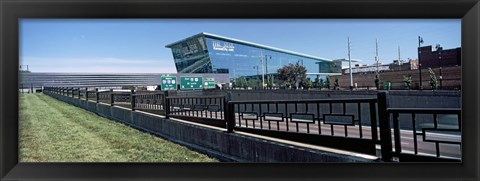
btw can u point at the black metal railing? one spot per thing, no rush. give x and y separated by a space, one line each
150 102
120 99
426 128
104 96
204 109
311 120
360 125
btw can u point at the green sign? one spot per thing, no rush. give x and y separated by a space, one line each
169 83
191 82
209 83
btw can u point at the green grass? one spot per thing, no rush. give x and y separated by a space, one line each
53 131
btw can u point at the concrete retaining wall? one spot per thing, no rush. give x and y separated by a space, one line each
397 98
214 142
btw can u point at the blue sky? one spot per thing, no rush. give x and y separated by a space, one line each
138 45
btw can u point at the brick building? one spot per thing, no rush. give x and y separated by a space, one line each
439 57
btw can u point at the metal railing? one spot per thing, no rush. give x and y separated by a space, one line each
150 102
359 125
204 109
427 128
320 121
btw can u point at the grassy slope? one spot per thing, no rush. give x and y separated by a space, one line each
53 131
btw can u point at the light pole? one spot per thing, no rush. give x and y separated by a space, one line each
350 65
266 67
256 67
440 66
420 41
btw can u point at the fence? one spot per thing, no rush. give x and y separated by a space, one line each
205 109
444 130
359 125
334 123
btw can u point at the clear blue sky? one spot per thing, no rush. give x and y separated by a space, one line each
138 45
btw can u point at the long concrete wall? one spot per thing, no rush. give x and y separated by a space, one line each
214 142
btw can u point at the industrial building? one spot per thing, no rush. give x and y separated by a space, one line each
209 53
106 80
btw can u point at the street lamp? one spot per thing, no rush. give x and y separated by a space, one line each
440 62
266 67
256 67
420 41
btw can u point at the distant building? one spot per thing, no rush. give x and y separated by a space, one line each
439 57
404 65
367 69
345 63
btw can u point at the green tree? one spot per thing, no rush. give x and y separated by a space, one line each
322 84
327 83
293 74
377 81
316 83
433 79
335 84
308 84
407 80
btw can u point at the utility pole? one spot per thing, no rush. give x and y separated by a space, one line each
420 41
266 68
350 64
263 70
376 53
399 58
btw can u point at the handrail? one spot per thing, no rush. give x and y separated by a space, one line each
354 100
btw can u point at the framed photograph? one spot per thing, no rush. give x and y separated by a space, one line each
231 90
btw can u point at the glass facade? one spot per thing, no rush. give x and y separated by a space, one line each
209 54
191 56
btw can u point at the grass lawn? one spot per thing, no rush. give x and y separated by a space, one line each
53 131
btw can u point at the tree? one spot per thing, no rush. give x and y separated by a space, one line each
335 84
408 81
433 79
309 84
377 81
316 83
322 84
327 83
293 74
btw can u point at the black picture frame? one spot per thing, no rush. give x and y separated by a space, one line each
11 11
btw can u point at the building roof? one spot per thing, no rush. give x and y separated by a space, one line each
345 60
249 44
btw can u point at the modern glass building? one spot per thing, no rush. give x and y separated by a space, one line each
209 53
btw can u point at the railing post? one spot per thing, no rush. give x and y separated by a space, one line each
229 111
112 96
166 103
96 95
132 99
373 121
385 132
86 94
